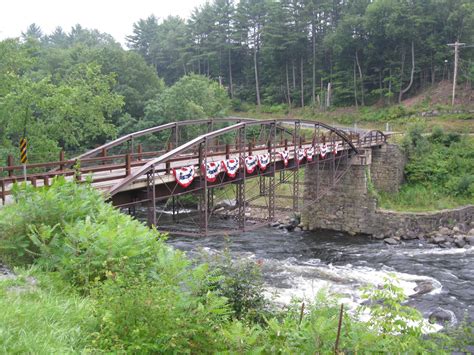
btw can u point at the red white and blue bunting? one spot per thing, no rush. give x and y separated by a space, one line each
231 166
263 161
285 155
309 154
184 176
250 163
323 150
335 148
212 169
301 154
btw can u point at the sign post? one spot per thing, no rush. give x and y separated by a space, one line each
23 155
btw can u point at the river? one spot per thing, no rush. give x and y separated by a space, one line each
299 264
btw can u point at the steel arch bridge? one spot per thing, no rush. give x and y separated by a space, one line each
234 173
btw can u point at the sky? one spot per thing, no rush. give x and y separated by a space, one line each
115 17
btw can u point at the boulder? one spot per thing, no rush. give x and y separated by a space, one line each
471 232
297 229
470 239
445 231
424 287
459 241
226 204
409 235
274 224
440 316
391 241
439 239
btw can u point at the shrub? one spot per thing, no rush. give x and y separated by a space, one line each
240 282
70 229
159 316
58 205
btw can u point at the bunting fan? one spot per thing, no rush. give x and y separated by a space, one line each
263 161
309 154
184 176
285 155
212 170
301 153
323 149
250 164
231 166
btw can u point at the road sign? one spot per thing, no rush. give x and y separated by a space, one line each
23 155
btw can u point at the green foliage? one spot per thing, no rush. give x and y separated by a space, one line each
143 297
45 317
140 315
240 282
439 172
193 96
41 209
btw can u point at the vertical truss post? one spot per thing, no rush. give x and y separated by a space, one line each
282 172
333 161
173 201
271 183
240 193
204 201
316 180
210 199
262 184
150 187
296 180
176 135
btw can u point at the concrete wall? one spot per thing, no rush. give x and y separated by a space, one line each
351 207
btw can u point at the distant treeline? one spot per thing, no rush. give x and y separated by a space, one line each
288 51
74 90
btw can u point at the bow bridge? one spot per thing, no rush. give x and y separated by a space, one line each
210 176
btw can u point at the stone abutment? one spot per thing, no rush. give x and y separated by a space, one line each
351 206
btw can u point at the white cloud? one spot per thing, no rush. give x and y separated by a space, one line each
115 17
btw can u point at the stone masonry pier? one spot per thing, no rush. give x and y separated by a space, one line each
351 206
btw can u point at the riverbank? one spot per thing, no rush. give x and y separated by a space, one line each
104 282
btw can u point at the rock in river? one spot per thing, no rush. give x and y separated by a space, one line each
390 241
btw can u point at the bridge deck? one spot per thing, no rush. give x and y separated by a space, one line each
104 176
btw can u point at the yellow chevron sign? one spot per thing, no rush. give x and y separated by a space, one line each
23 156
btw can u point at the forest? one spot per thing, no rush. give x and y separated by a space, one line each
76 89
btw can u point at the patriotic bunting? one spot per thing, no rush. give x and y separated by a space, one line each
231 166
250 163
263 161
323 150
212 169
285 155
184 176
300 153
335 148
309 154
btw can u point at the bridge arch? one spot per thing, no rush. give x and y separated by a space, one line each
172 126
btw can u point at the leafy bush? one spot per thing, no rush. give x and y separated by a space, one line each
159 316
240 282
59 205
70 229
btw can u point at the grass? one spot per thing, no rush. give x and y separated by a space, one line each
46 318
417 198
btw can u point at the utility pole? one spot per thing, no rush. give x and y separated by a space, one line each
456 46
